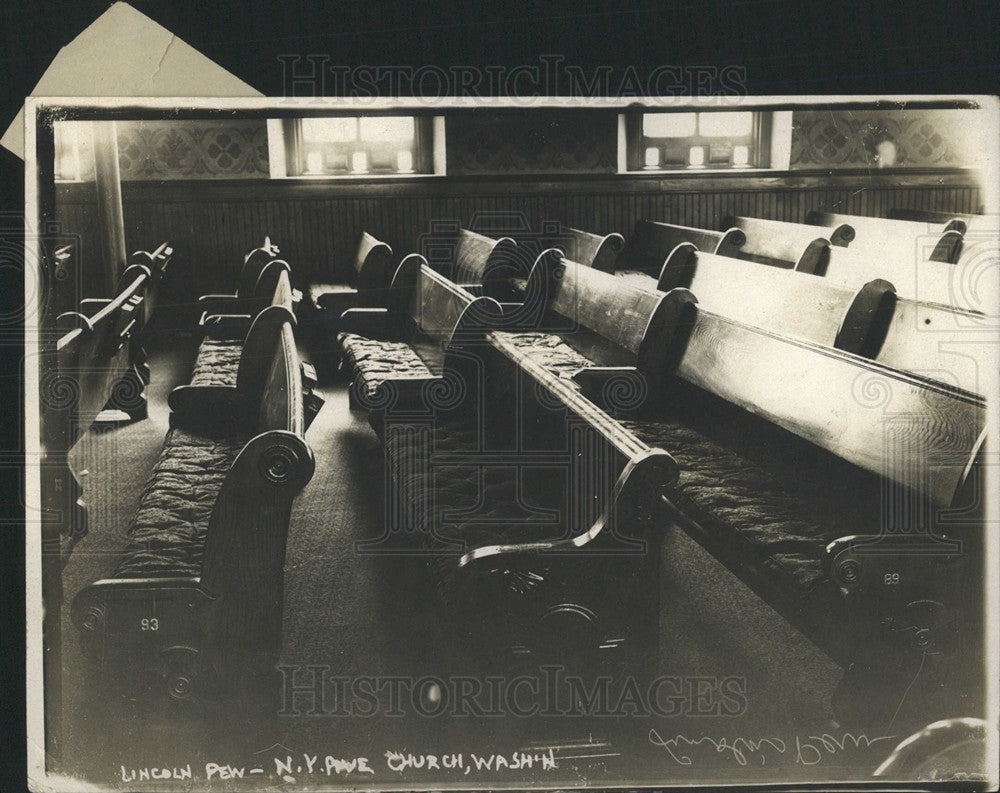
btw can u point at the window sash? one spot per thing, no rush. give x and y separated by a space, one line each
377 157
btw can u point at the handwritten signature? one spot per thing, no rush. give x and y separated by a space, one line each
808 750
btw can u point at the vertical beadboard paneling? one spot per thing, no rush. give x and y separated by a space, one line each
212 227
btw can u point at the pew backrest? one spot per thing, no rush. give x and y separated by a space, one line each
591 250
436 307
253 264
878 235
939 343
781 244
282 400
372 264
613 322
922 279
915 433
651 242
800 305
476 259
260 341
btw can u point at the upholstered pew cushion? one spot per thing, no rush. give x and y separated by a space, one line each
374 361
218 362
781 519
167 534
549 350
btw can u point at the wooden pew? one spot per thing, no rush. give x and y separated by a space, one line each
873 321
826 446
615 333
881 236
517 496
651 242
476 262
591 250
403 352
370 272
961 285
919 439
226 334
94 361
780 244
193 607
251 293
799 305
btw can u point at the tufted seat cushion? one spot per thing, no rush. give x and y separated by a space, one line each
167 534
374 361
548 350
218 362
779 511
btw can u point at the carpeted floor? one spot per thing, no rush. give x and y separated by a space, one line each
354 614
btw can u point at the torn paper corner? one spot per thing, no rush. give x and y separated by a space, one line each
125 53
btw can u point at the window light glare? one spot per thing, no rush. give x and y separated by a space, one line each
387 128
359 162
314 162
652 157
330 130
696 157
741 156
725 125
669 125
404 162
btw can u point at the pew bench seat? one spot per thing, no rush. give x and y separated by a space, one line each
548 349
748 501
167 534
217 362
374 361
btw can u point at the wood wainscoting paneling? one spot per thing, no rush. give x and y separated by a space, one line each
316 223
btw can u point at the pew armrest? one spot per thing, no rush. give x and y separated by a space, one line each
229 304
373 323
225 326
119 608
95 303
642 483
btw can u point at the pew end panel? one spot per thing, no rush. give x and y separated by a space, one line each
866 322
729 245
948 248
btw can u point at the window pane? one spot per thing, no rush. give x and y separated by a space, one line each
725 125
329 130
387 128
669 125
